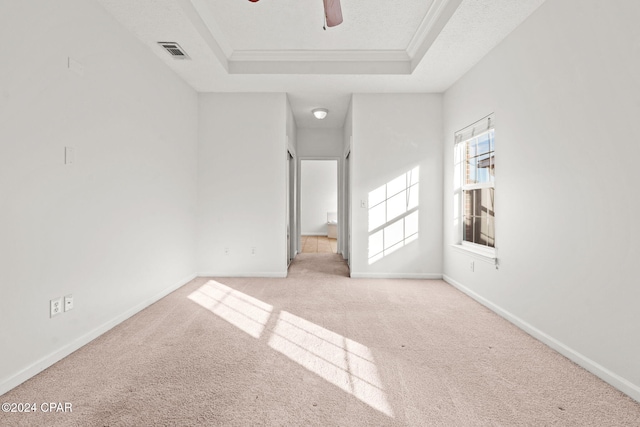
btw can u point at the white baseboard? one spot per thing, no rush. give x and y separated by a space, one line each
67 349
314 234
430 276
622 384
270 274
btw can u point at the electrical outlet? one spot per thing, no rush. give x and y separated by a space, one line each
253 250
471 265
226 251
68 302
55 306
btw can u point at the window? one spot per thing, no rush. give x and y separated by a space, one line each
475 170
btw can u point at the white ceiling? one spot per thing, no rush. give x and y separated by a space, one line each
280 46
297 24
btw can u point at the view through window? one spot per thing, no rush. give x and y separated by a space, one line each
475 159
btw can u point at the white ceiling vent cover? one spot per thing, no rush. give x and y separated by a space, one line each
174 50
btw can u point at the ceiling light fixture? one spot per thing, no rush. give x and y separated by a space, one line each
320 113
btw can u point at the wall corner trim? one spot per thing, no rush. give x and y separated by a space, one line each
54 357
620 383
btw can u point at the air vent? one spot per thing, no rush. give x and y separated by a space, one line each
174 50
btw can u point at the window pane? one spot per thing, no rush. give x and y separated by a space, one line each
483 163
471 148
468 229
491 141
479 217
479 159
487 202
483 146
478 231
476 202
472 174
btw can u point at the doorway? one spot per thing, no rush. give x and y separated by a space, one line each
319 206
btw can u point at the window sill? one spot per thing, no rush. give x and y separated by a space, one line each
483 255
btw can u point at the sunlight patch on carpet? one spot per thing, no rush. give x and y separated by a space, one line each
241 310
344 363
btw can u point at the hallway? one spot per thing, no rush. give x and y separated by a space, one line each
319 244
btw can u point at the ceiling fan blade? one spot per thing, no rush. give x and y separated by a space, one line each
333 12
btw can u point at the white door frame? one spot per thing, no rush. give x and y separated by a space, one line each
345 231
339 161
292 217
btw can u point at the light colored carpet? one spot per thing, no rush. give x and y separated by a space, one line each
320 349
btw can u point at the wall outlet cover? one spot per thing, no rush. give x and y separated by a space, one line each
68 302
55 307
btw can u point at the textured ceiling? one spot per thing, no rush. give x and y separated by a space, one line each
475 28
297 24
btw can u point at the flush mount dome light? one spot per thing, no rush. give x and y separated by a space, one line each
320 113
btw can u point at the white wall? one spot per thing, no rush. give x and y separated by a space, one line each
345 219
117 228
564 88
292 129
320 142
319 195
292 194
392 134
242 184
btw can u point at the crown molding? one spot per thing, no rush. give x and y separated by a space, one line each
320 55
432 24
319 62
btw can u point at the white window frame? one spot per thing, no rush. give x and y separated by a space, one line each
462 137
